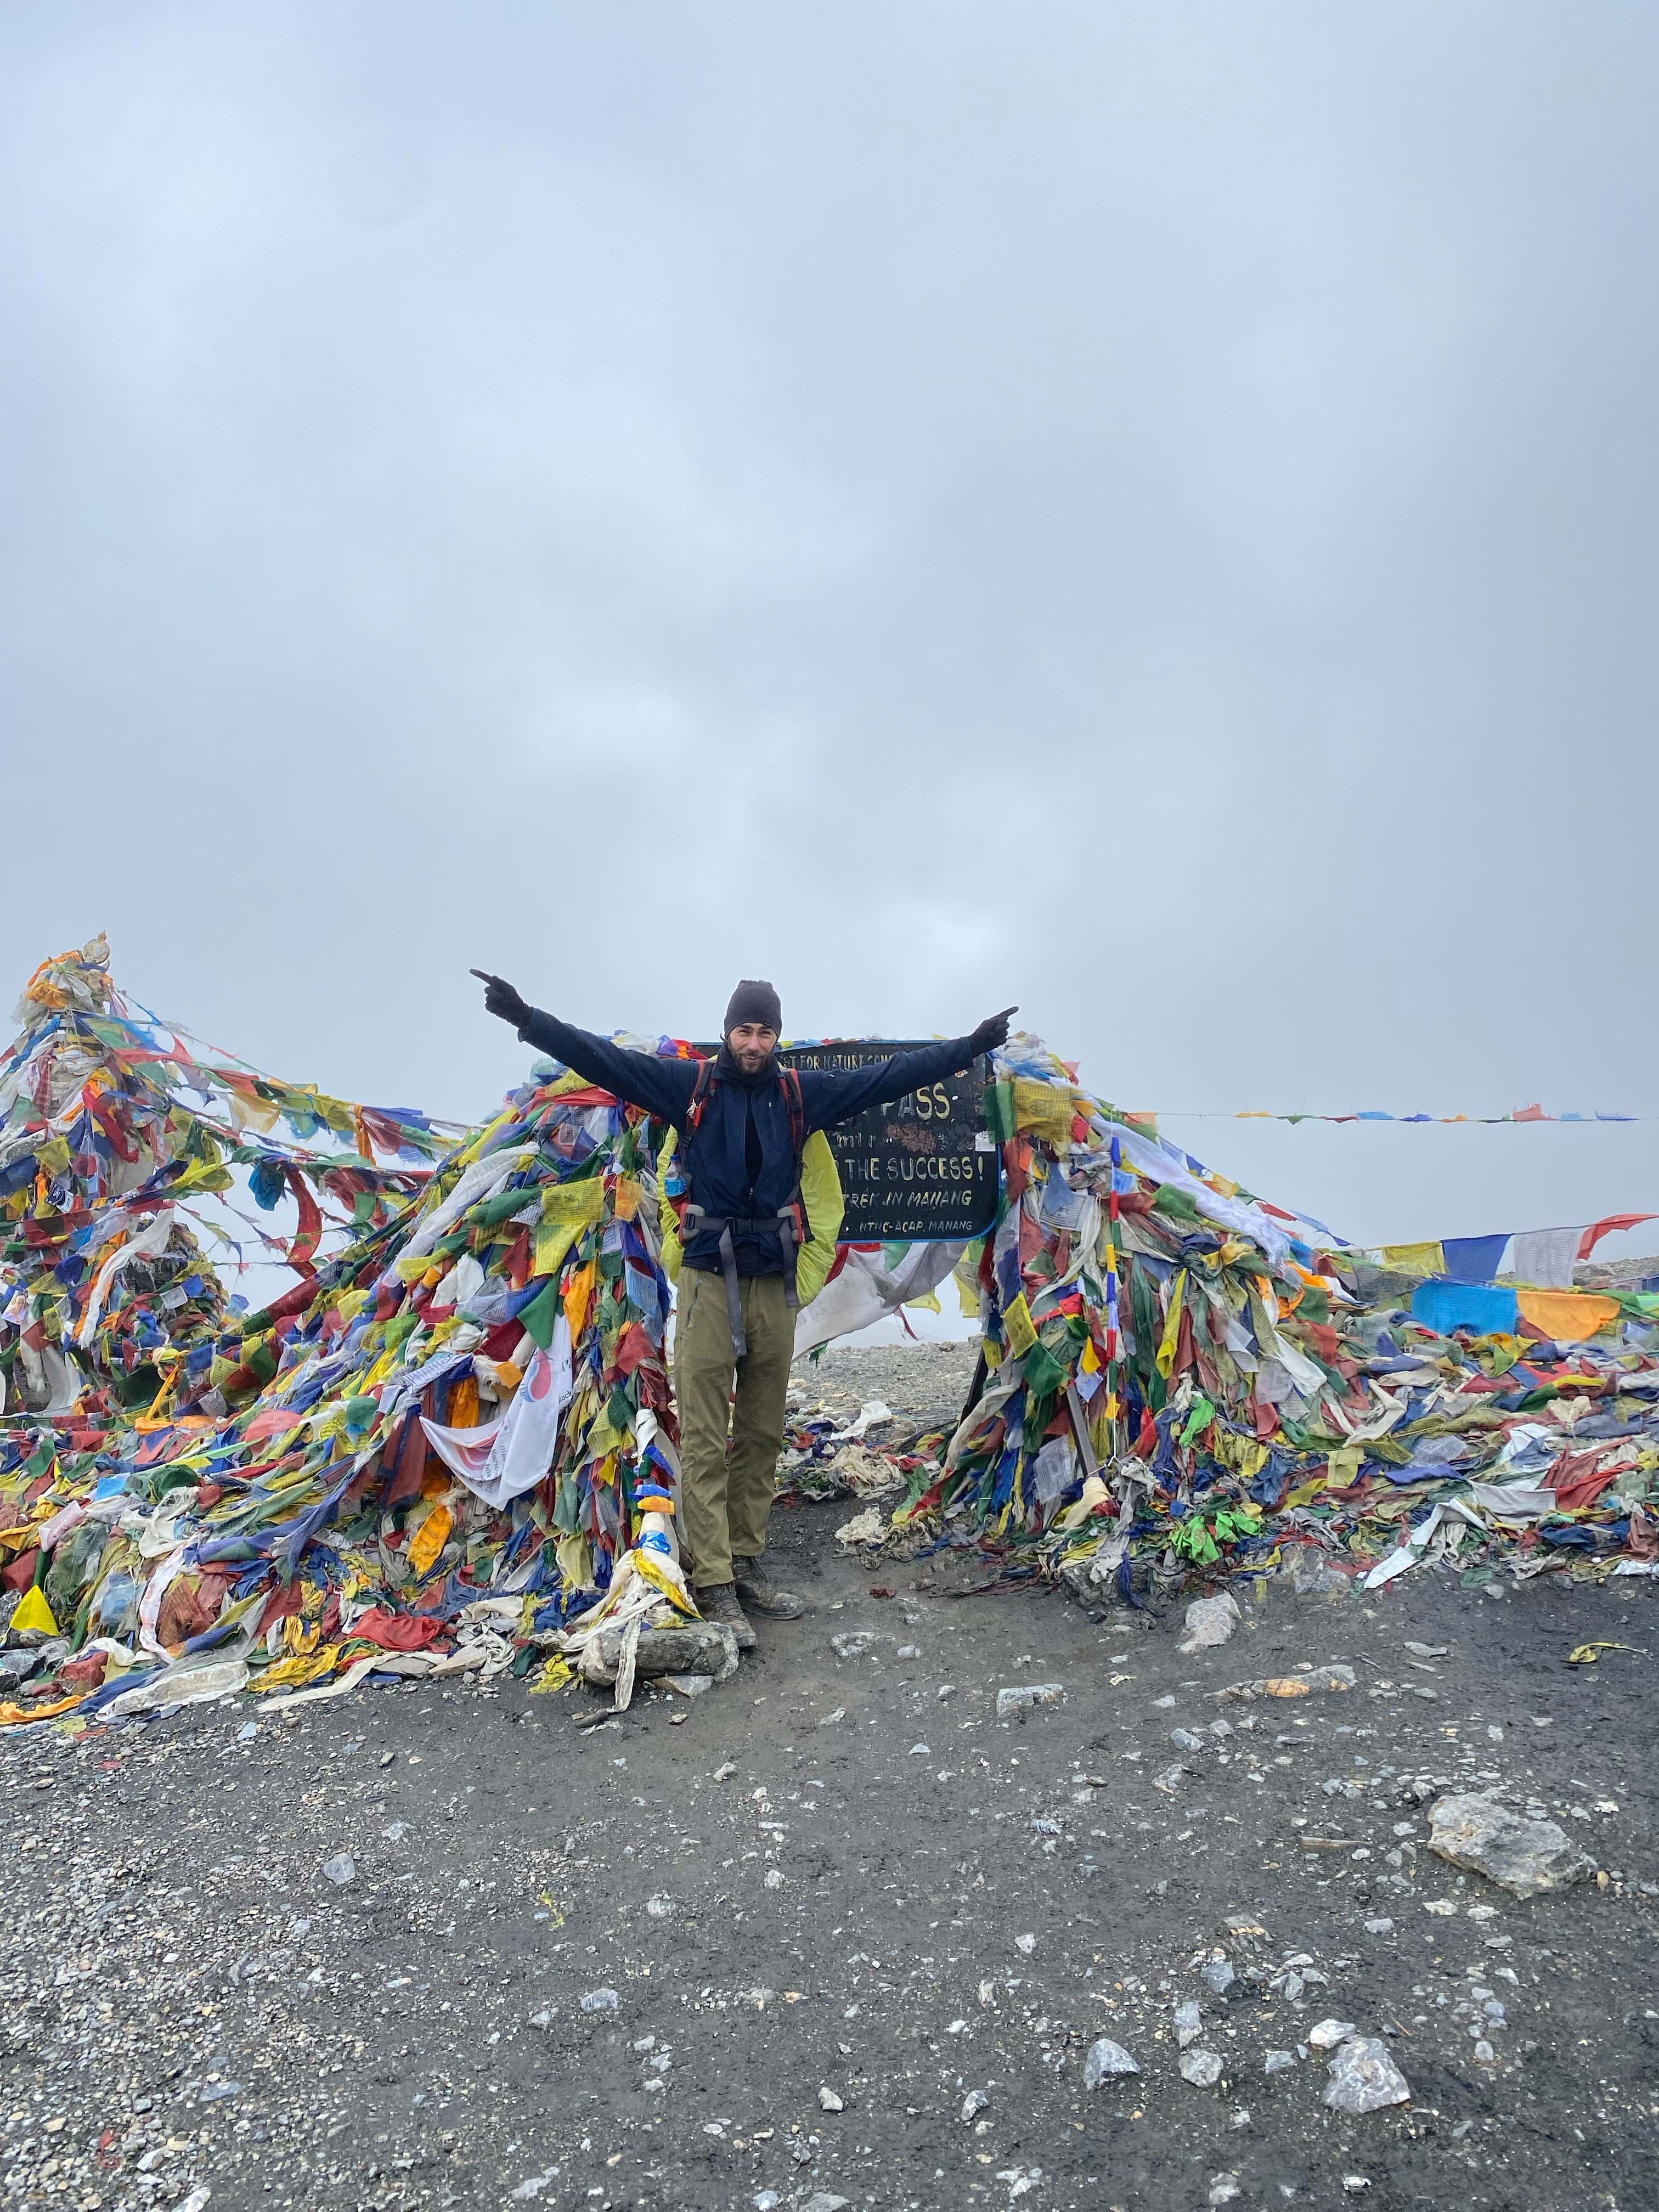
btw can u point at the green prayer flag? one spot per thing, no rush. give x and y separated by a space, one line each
540 1316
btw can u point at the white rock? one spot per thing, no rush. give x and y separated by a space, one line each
1364 2078
1210 1621
1326 2034
828 2101
853 1644
688 1686
1202 2068
1024 1697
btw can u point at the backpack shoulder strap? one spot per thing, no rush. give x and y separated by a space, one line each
790 1078
701 1091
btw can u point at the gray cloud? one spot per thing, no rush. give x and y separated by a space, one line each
1144 511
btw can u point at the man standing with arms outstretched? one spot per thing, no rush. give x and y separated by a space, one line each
743 1118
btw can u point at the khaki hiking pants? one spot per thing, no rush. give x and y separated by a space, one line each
726 1495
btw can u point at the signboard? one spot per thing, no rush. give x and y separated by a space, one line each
917 1169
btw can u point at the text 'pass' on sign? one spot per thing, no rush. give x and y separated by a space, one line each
915 1168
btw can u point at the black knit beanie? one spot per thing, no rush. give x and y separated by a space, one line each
753 1002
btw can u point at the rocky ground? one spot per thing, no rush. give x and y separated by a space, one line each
924 1383
835 1934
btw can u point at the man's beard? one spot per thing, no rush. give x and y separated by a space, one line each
751 1066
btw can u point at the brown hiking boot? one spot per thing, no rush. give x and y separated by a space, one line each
719 1602
756 1587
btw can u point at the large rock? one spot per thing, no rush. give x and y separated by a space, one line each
1526 1857
1364 2078
1019 1698
1210 1621
1105 2061
695 1647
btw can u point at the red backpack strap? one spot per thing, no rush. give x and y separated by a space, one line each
790 1078
701 1090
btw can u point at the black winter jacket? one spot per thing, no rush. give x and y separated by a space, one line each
715 1158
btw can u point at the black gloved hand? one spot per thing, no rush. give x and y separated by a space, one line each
992 1031
503 1001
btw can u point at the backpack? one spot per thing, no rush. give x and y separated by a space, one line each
702 1090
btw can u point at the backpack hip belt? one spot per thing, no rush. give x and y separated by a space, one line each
784 1224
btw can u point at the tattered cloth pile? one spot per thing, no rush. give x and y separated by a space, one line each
103 1162
446 1435
451 1446
1177 1372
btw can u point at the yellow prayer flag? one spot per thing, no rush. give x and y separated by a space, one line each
254 1113
1017 1314
551 1241
1045 1109
33 1612
1171 1336
576 1202
295 1671
1342 1467
1415 1259
575 1562
429 1539
577 1293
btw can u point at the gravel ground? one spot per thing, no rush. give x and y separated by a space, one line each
925 1381
839 1903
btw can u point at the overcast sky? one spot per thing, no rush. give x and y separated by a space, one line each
1144 511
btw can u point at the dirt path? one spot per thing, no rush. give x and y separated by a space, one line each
839 1903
